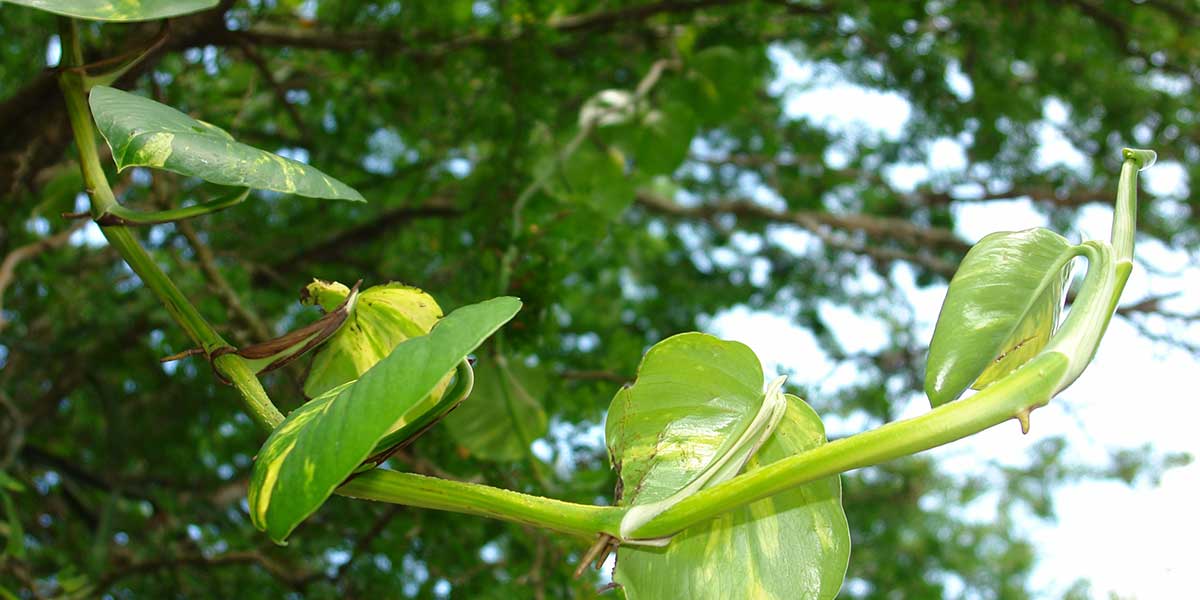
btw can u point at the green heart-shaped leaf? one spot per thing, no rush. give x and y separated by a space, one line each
505 412
118 10
144 133
720 82
695 415
664 138
321 444
1001 309
593 175
795 544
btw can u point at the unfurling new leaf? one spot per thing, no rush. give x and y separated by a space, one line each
1002 307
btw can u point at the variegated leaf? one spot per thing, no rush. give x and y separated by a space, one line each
144 133
118 10
321 444
795 544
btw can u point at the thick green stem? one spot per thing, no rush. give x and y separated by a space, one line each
1028 387
429 492
1124 227
123 241
1015 396
1125 212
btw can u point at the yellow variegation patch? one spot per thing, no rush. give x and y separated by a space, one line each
795 544
142 132
326 440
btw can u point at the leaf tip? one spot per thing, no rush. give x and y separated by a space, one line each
1143 158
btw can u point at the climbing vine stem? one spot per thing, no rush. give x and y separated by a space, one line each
232 367
1013 397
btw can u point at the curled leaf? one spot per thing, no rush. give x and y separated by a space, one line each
1001 309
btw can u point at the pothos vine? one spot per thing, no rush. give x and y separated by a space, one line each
705 455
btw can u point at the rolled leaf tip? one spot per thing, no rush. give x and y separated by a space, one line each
1143 157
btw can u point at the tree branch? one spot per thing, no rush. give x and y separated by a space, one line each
377 226
9 265
287 575
208 265
824 226
280 93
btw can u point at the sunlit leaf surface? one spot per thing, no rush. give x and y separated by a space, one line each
118 10
1000 310
323 442
144 133
792 545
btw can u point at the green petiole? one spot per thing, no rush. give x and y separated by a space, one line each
429 492
119 215
122 240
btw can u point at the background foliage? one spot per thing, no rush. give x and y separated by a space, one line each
132 475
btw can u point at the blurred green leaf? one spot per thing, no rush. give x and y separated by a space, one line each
720 84
7 482
593 176
504 412
663 138
15 546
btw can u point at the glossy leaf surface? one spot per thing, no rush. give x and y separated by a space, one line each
692 418
118 10
144 133
504 412
321 444
795 544
1001 308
